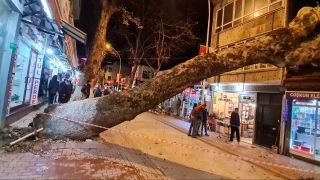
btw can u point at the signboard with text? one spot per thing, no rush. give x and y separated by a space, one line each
38 68
36 80
35 89
303 95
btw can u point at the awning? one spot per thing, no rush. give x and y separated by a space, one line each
74 32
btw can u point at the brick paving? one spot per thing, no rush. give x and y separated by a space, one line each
88 160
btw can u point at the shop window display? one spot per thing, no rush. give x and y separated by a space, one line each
304 126
21 71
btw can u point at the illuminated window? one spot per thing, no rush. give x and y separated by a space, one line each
240 11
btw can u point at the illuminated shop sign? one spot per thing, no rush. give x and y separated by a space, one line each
303 95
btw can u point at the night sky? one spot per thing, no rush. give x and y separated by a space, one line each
90 15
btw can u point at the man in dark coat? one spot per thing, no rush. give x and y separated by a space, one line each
69 90
235 124
63 91
204 120
53 88
178 106
88 89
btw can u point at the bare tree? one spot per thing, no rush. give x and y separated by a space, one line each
173 32
164 31
291 46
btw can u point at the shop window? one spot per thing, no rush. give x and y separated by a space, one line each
109 78
303 127
20 77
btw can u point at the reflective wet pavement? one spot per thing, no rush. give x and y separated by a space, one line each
89 160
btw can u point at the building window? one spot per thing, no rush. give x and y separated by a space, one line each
241 11
109 69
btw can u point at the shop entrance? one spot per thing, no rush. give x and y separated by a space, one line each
268 119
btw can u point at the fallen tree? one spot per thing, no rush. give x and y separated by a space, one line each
290 46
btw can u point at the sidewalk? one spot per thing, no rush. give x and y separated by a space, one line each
88 160
244 150
76 160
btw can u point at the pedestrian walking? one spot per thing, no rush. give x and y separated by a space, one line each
53 88
204 120
235 124
69 90
63 91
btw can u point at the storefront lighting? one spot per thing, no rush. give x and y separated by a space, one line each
49 51
256 14
46 8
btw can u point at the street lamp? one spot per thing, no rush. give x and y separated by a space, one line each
108 46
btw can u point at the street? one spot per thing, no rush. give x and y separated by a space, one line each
133 154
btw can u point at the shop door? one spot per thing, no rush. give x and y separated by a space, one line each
268 119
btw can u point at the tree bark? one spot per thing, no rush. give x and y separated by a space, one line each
98 50
286 47
133 74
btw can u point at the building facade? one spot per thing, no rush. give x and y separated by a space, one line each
34 49
258 90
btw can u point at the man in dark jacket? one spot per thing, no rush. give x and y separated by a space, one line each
63 91
69 90
235 124
88 89
53 88
204 120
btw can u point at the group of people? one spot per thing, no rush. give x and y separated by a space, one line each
97 92
199 116
59 90
198 119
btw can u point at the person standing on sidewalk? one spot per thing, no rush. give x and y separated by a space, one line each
53 88
193 126
178 106
235 124
204 120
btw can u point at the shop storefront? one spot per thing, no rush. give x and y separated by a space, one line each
9 28
27 69
225 103
303 112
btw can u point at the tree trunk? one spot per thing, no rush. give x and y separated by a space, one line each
286 47
98 50
133 74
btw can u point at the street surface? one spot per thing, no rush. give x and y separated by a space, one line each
125 156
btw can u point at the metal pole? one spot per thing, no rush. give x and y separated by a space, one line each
207 48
